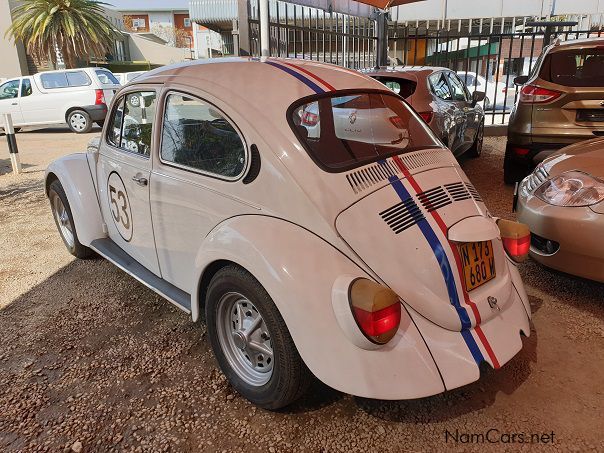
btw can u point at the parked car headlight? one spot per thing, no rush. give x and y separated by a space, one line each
533 181
572 188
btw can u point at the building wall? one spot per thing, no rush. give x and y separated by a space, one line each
13 62
464 9
142 49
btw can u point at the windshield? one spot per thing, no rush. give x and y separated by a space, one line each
347 131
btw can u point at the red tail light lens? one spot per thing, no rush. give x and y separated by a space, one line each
397 121
520 151
532 94
516 238
376 310
310 119
100 97
427 116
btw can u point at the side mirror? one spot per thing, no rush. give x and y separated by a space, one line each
521 80
478 96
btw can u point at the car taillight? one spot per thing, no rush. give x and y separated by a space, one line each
397 121
376 310
520 151
310 119
516 238
426 116
532 94
100 97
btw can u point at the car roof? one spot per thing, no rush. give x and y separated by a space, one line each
267 85
416 70
576 44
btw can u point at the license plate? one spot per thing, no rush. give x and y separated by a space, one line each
478 263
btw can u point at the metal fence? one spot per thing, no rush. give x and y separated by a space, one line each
496 51
298 31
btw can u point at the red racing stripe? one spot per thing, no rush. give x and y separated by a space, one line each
441 224
310 74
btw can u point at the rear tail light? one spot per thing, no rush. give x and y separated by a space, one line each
532 94
376 310
310 119
520 151
427 116
100 97
516 239
397 121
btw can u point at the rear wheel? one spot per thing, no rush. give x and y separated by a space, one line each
79 121
61 212
476 149
251 342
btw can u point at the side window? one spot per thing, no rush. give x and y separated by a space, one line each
459 90
196 135
54 80
26 88
114 133
78 79
9 89
132 122
440 87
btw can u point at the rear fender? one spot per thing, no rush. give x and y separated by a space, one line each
74 174
300 271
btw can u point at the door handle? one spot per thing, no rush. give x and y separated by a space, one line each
14 103
140 180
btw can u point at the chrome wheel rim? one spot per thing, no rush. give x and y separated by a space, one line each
245 339
135 101
63 222
77 121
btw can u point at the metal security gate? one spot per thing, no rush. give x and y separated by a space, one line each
298 31
497 50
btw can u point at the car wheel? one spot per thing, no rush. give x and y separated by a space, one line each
251 342
61 212
100 123
79 122
476 149
134 101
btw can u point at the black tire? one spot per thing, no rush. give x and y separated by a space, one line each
100 123
513 172
476 149
76 248
290 377
79 121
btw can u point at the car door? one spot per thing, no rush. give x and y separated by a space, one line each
123 174
196 182
30 102
448 111
9 100
466 113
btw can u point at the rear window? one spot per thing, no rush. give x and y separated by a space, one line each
106 77
65 79
575 68
403 87
341 132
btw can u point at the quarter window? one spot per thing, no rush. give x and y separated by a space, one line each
132 122
197 136
26 88
440 87
106 77
78 79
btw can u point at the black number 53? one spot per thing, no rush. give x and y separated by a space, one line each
119 207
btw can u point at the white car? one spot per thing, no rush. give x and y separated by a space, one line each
376 268
127 77
496 92
77 97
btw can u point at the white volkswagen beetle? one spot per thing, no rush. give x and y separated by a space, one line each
315 219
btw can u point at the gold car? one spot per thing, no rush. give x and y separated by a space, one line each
561 102
562 202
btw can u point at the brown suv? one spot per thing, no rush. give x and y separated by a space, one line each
561 102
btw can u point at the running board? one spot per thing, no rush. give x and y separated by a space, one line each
112 252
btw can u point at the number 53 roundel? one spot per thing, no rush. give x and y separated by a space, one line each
120 207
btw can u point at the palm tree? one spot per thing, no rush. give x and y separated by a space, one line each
77 28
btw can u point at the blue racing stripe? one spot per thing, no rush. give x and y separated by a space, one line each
445 268
309 83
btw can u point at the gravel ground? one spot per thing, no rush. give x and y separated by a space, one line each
90 360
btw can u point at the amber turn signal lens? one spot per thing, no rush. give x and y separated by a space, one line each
516 239
376 309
